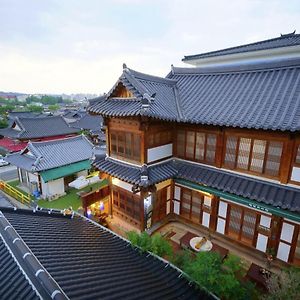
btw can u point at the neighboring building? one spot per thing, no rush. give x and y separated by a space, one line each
48 167
215 147
92 125
41 128
285 46
71 115
49 255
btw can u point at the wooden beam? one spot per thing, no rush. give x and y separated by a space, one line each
286 160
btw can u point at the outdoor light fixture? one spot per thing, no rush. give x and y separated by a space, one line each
101 205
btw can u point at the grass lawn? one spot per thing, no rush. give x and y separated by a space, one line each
15 184
70 199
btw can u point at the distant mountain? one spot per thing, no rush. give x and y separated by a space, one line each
3 94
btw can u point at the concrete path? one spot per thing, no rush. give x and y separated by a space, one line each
4 201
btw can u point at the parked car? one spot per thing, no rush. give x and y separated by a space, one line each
3 162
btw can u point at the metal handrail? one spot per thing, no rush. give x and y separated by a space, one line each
10 190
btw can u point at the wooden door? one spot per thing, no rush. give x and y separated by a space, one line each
248 227
235 221
160 206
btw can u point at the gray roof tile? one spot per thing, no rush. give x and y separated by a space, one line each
89 262
88 122
258 190
13 283
285 40
52 154
258 96
39 127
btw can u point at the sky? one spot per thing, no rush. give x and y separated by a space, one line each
70 46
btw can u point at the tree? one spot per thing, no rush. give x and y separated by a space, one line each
285 285
155 244
35 108
221 279
53 107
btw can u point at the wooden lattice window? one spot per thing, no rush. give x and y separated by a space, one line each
180 143
190 144
126 145
159 138
198 146
273 158
254 155
258 155
211 148
244 153
230 155
297 158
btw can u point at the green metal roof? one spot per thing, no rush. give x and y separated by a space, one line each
63 171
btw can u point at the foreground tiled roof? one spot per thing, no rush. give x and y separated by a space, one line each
38 127
89 262
259 96
262 191
52 154
13 284
285 40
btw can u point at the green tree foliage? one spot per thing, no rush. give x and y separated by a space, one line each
3 123
285 285
4 109
155 244
221 279
45 99
53 107
35 108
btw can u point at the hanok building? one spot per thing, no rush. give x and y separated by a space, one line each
214 146
21 130
48 167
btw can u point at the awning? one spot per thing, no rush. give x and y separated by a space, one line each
65 170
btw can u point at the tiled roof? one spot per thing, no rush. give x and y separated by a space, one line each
266 192
13 284
285 40
39 127
133 174
88 122
153 97
259 96
89 262
52 154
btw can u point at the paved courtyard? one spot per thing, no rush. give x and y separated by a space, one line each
4 202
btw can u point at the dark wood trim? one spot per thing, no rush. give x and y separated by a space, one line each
286 164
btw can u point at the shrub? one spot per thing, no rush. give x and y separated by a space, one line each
182 258
221 279
285 285
155 244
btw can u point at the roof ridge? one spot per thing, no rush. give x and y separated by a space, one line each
57 141
281 37
21 252
262 66
145 76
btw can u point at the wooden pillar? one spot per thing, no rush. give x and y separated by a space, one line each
213 213
220 148
286 161
144 193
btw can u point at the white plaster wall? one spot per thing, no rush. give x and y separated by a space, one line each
160 152
33 177
122 184
53 188
295 174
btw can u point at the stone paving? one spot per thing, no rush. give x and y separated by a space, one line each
4 202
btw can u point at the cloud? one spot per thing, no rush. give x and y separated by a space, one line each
79 46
